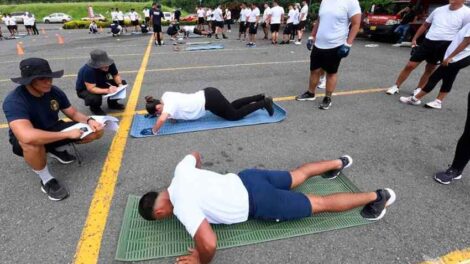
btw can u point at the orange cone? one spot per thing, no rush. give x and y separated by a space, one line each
101 30
19 48
60 39
43 31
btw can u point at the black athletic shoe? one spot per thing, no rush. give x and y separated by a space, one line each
54 190
326 103
376 210
446 177
209 35
268 105
115 105
307 96
225 37
347 162
97 111
62 156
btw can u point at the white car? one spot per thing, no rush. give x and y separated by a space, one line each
98 17
167 16
57 18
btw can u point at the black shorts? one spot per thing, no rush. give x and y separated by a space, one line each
121 23
301 25
157 28
275 27
219 24
135 23
147 19
326 59
288 29
28 27
197 31
60 125
242 28
432 51
295 28
253 28
228 21
200 20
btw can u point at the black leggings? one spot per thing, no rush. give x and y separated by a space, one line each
462 152
220 106
447 74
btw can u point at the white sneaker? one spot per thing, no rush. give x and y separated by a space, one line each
410 100
436 104
322 84
396 45
298 43
416 91
393 90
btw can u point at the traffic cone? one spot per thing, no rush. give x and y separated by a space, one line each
60 39
19 48
43 31
101 30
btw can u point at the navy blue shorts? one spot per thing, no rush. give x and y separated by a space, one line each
271 198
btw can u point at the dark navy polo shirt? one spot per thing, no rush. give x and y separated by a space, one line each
96 76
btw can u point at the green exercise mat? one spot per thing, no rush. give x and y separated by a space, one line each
144 240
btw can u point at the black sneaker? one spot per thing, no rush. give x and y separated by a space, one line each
225 37
97 111
62 156
268 105
326 103
376 210
347 162
54 190
115 105
307 96
446 177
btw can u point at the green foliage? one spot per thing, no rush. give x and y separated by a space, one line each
77 24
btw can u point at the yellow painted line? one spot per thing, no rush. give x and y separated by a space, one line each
454 257
89 245
276 99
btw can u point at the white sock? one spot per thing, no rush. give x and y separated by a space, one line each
44 174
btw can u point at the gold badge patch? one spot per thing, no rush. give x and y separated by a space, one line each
54 105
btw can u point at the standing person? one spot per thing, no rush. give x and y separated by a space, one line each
253 20
296 22
242 22
120 18
461 156
32 111
443 24
302 23
134 19
228 19
199 197
247 15
201 13
209 19
219 22
93 81
333 35
289 25
276 18
27 23
156 16
34 28
114 16
177 15
456 58
407 15
12 25
146 12
265 24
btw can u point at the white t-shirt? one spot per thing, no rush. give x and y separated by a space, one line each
146 13
114 15
253 14
120 15
304 11
334 22
266 14
463 33
247 13
209 15
243 15
6 21
189 29
296 18
276 13
184 106
133 16
198 194
217 15
12 21
28 21
290 15
228 14
445 23
201 12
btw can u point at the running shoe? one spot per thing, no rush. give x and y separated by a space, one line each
446 177
376 210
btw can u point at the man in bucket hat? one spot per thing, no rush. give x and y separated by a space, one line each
32 111
98 77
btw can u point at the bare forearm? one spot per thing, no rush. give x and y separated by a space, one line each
98 90
41 137
420 32
460 47
79 117
353 33
117 79
315 28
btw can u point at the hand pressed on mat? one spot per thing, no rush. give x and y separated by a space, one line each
192 258
148 132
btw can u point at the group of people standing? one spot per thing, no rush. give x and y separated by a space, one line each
29 22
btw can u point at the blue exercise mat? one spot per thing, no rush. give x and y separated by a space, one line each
208 122
205 47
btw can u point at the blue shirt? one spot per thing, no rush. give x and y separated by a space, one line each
96 76
42 112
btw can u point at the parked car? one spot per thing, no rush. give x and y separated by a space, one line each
167 16
98 17
189 18
381 20
18 16
57 18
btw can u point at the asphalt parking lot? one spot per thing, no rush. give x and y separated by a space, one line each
393 145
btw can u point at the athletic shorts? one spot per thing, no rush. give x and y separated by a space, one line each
275 27
157 28
147 19
253 28
270 197
219 24
295 28
301 25
228 21
288 29
432 51
197 31
200 20
327 59
135 23
60 125
121 23
242 28
28 27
